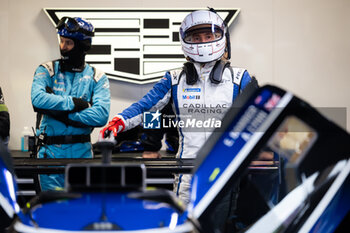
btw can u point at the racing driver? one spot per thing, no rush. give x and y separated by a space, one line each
206 80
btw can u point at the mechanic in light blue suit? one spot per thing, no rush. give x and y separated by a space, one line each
70 97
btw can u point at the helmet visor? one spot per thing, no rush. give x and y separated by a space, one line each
72 25
203 34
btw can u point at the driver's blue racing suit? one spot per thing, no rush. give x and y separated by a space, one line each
66 131
202 100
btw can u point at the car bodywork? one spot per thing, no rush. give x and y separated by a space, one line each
310 155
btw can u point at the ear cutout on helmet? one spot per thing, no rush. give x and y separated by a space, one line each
215 75
191 73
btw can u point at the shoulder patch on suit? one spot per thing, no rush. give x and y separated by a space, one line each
175 76
98 74
237 75
50 67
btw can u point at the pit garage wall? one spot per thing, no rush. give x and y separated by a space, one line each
302 46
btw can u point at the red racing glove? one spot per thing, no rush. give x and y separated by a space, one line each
116 125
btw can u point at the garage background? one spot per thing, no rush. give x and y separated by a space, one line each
301 46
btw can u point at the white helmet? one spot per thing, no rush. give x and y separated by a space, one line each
203 36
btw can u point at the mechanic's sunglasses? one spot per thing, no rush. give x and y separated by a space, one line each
72 25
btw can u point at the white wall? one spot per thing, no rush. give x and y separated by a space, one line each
300 45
